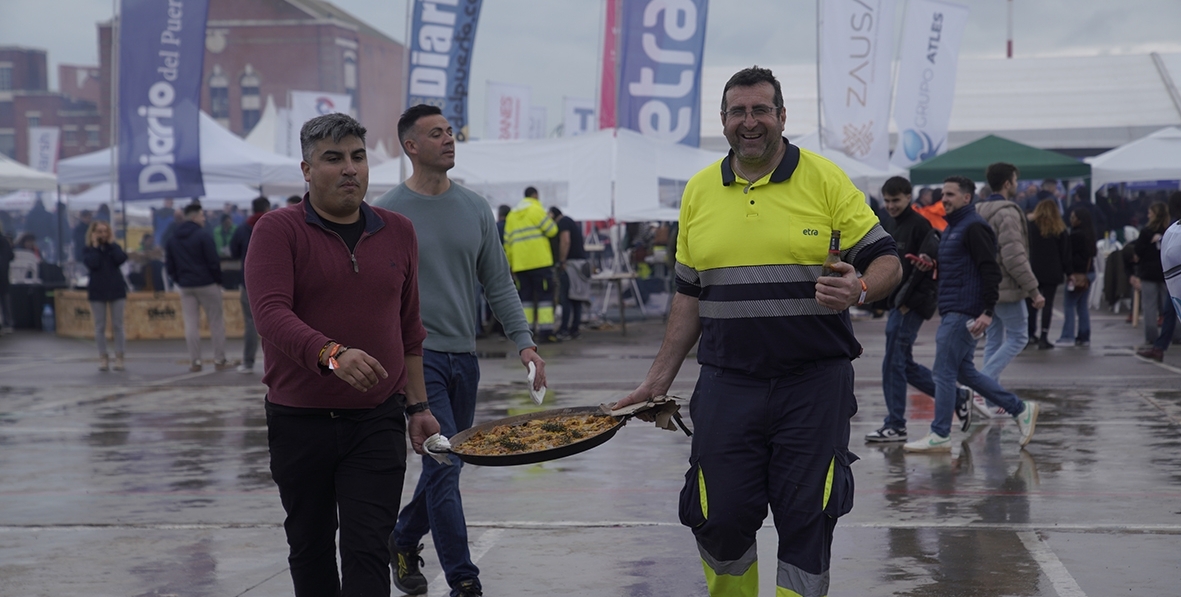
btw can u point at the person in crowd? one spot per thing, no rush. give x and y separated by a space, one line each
772 417
1009 330
911 303
1081 272
25 267
222 234
104 213
459 254
1049 256
239 245
527 230
969 281
926 198
933 213
1150 281
6 257
106 290
501 216
573 283
79 233
193 264
1170 254
334 292
294 200
148 260
40 224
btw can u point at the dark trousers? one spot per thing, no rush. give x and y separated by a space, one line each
1047 311
571 310
347 461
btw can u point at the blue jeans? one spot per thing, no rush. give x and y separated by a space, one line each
899 368
1075 302
954 349
1006 339
436 508
1169 314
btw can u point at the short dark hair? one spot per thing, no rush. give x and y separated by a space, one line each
897 185
260 205
292 200
554 211
411 116
965 184
503 210
192 208
531 191
335 125
998 174
749 77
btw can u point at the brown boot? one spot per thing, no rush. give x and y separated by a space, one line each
118 361
103 363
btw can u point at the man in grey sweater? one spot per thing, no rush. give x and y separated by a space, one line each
459 248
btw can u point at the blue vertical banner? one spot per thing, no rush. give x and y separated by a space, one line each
161 54
661 46
442 33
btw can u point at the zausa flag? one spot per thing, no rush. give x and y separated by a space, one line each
660 68
926 79
442 34
856 52
161 50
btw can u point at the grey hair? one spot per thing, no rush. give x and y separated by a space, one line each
336 125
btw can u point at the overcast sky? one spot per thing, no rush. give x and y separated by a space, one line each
554 45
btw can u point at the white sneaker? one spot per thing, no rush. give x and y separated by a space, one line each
1027 420
245 369
986 411
933 442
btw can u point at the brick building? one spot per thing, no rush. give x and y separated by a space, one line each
25 101
260 48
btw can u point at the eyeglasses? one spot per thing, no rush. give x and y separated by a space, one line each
757 112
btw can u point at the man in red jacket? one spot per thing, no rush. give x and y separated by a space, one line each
334 292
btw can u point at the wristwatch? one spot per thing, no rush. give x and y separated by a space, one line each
414 409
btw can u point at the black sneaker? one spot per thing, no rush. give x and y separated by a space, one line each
468 588
963 407
407 577
886 434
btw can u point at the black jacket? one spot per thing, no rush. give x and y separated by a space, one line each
1148 265
191 257
1049 257
106 281
918 290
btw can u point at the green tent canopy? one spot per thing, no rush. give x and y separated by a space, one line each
972 159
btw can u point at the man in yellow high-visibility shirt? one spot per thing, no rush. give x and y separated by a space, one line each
527 231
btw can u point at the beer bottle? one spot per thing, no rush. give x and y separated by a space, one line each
834 255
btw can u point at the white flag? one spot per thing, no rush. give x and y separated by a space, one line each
507 115
306 105
926 79
538 122
578 116
43 148
856 52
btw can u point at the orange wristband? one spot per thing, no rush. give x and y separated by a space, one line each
864 291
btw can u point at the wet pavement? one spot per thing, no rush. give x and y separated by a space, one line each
155 481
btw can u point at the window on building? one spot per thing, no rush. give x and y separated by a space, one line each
70 136
350 78
251 101
34 121
219 96
5 78
8 143
92 137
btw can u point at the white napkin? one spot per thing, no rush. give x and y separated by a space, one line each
438 447
538 395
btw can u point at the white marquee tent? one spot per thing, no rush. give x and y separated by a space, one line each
225 158
15 175
1155 157
865 177
578 174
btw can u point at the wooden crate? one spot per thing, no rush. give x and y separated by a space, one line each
148 316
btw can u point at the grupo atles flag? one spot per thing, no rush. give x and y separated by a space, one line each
442 35
507 111
660 68
43 148
161 51
926 79
856 52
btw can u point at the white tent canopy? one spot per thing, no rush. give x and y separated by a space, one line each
225 158
216 194
865 177
15 175
577 174
1155 157
262 135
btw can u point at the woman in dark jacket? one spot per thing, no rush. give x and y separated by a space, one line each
106 288
1081 273
1150 278
1049 256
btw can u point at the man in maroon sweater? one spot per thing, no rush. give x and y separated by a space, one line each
334 292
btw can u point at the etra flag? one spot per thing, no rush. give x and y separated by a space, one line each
161 52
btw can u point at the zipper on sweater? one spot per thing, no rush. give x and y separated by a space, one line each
352 254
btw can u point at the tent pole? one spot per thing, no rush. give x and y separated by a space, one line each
58 213
819 110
